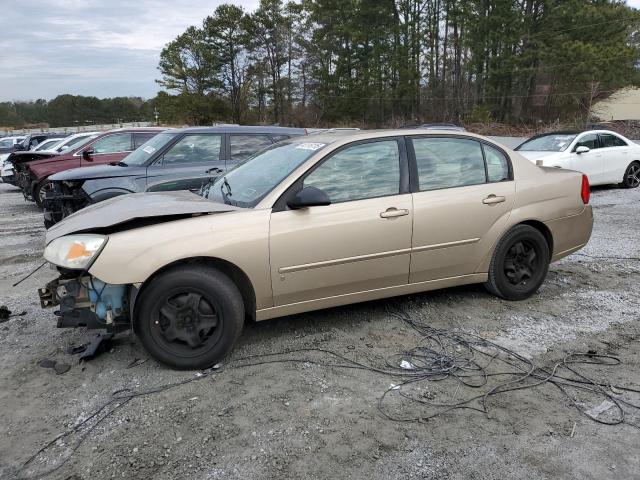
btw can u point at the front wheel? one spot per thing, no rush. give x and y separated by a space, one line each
631 177
519 265
40 191
189 317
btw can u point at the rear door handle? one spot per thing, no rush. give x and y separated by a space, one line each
214 170
492 199
394 212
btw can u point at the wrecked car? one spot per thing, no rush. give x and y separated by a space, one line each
178 159
310 223
33 169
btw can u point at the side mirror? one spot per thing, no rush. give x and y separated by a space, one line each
86 154
582 149
309 197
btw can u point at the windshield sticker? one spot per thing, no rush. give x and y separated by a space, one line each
310 146
149 149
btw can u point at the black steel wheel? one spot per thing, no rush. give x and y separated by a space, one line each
632 176
519 264
189 317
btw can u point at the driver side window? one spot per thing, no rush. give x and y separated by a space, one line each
194 149
590 141
358 172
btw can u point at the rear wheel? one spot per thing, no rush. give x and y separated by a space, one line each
519 265
190 317
631 177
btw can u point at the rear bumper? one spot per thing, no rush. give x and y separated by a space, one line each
571 233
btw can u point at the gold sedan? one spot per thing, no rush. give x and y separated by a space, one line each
314 222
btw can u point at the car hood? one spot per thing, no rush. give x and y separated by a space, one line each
136 209
533 156
29 156
97 172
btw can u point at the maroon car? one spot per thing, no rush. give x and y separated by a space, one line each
32 169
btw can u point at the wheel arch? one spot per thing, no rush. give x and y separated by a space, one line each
543 229
235 274
537 224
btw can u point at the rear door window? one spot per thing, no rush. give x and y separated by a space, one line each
609 140
141 137
449 162
243 146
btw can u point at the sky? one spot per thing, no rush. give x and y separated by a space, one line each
103 48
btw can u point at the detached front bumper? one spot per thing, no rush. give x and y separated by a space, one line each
87 302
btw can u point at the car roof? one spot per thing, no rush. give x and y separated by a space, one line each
574 132
343 135
241 129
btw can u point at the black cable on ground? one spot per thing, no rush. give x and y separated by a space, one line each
470 362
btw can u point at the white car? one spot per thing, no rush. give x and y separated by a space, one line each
48 144
605 157
67 142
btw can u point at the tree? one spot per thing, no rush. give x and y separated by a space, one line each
227 37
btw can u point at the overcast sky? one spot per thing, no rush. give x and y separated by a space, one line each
104 48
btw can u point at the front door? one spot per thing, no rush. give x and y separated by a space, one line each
590 163
457 206
187 164
360 242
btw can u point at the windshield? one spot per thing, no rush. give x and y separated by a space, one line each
548 143
249 182
144 152
7 143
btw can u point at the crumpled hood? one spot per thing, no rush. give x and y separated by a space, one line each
97 172
123 209
29 156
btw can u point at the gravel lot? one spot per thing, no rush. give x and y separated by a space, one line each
303 420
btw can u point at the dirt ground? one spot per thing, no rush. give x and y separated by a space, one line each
299 419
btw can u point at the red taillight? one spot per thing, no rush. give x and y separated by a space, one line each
585 191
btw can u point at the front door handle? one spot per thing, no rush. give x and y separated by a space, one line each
492 199
214 170
394 212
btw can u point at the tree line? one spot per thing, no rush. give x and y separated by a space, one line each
72 110
389 62
379 63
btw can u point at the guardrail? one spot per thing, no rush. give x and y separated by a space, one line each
75 129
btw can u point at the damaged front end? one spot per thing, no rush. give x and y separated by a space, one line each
63 199
85 301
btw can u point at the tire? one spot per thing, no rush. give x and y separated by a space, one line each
631 177
515 273
179 300
40 190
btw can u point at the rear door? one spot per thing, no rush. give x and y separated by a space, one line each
615 157
590 163
187 164
242 146
463 194
110 148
